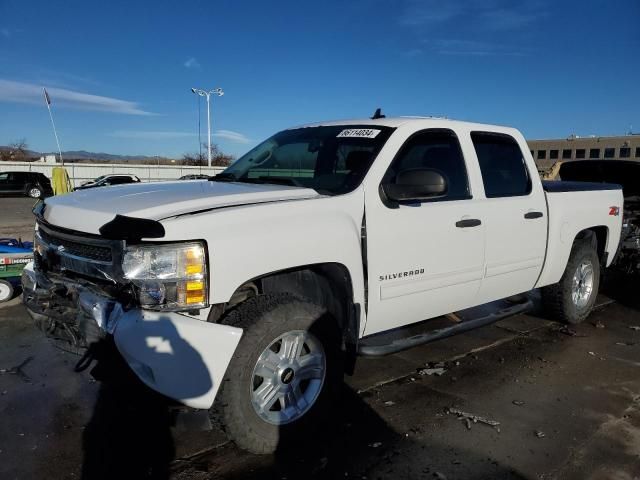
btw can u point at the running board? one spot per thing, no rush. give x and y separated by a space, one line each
400 344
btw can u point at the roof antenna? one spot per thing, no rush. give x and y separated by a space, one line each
378 114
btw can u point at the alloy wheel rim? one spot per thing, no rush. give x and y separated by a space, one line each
582 284
288 377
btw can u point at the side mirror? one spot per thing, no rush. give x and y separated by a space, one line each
416 184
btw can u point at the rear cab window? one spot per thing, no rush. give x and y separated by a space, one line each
502 164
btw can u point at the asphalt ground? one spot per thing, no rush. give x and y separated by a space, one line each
16 219
567 402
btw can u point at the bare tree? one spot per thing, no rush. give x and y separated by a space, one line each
17 151
194 159
218 158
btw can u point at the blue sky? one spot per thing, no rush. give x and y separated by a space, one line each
119 72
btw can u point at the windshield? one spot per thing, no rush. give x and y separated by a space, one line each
331 160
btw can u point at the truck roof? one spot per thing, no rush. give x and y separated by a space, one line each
419 122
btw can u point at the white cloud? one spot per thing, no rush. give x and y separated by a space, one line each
228 135
63 79
472 48
491 27
421 12
487 15
413 52
20 92
151 135
234 137
192 63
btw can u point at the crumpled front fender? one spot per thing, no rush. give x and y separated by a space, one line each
178 356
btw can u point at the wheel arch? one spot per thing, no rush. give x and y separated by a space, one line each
599 236
327 284
561 245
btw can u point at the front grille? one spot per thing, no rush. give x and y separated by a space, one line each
84 250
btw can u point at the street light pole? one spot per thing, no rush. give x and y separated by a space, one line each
208 131
207 93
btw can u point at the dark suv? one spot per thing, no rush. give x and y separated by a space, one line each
31 184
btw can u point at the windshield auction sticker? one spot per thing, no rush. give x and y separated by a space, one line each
359 133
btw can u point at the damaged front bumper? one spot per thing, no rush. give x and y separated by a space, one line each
178 356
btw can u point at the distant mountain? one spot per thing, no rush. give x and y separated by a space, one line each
88 156
83 154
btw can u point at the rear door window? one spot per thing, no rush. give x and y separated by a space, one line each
504 171
16 177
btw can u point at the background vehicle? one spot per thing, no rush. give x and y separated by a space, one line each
322 243
14 255
106 180
627 174
31 184
195 177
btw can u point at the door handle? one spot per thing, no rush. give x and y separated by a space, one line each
468 222
532 215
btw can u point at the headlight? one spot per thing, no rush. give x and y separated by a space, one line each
168 277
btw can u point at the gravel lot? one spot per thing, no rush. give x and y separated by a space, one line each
567 400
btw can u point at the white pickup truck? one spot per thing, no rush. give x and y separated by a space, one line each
259 287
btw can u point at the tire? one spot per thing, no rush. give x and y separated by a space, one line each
34 191
568 300
6 291
270 322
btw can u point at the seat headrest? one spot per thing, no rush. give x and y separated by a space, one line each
357 159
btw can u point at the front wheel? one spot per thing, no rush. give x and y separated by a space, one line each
285 376
573 297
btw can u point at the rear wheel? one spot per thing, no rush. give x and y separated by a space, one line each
573 297
6 291
34 191
285 376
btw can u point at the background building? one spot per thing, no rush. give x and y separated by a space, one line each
548 152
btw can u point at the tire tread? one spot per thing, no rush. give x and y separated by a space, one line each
225 412
556 298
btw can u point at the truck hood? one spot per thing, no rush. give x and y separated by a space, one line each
87 210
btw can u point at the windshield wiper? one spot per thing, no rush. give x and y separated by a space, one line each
277 181
273 180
